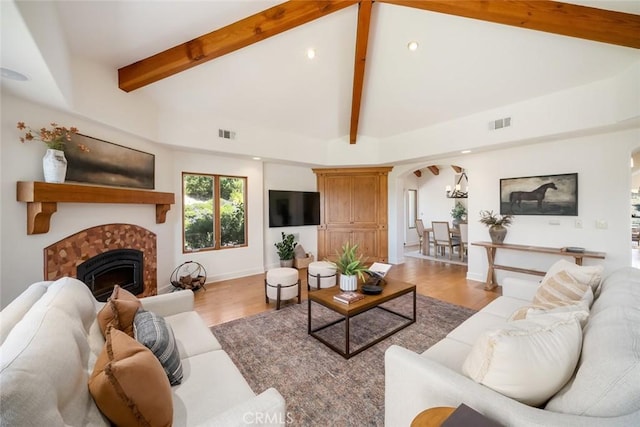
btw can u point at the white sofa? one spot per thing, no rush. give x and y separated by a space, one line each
603 391
50 341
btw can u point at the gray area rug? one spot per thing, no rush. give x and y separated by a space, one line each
321 388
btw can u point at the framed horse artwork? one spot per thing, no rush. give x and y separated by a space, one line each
540 195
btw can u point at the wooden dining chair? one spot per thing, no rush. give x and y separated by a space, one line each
442 237
420 230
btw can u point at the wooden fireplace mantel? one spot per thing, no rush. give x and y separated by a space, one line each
42 200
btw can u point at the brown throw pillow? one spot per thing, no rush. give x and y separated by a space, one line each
120 310
129 384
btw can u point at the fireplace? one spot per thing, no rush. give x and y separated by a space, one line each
96 249
122 267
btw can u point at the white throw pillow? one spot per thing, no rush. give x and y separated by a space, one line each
527 360
579 309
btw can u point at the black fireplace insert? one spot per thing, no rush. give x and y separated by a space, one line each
122 267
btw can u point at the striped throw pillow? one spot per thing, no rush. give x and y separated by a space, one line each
562 288
153 332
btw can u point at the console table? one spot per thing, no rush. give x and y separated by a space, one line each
491 249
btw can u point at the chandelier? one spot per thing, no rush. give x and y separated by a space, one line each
458 193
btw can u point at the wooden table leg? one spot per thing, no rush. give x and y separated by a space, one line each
426 250
490 283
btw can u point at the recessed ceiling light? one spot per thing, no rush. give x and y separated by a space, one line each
412 46
311 53
465 151
256 158
10 74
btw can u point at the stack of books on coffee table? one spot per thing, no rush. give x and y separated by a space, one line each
348 297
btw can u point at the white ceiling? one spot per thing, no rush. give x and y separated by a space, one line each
462 66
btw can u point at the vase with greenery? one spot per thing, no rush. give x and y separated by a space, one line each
54 163
285 249
497 225
459 214
350 266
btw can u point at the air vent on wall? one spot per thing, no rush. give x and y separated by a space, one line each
226 134
500 123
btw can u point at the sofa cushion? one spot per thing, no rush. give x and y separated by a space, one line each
214 381
527 360
153 332
504 306
129 385
193 337
469 330
607 378
120 310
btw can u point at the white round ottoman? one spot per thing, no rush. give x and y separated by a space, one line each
321 274
281 284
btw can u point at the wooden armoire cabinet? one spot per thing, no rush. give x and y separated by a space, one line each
353 209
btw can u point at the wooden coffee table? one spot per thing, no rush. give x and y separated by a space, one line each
393 289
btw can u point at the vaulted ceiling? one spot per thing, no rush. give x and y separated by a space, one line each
549 16
244 63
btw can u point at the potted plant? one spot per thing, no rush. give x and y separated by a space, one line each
54 164
459 214
350 267
497 225
285 249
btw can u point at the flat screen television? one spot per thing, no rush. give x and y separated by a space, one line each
293 208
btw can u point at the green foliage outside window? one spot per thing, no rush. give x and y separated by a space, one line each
232 211
199 211
199 187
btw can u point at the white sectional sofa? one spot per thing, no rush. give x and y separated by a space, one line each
50 341
603 390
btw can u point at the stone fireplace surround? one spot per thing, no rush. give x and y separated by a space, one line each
63 257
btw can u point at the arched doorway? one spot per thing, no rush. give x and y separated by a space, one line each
440 190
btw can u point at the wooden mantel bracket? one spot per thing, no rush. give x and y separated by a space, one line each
42 200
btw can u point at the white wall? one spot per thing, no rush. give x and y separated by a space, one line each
22 255
287 177
604 178
232 262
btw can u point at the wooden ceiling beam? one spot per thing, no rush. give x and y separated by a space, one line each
417 173
457 169
434 170
362 41
245 32
572 20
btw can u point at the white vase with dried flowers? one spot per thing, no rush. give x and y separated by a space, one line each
54 166
54 163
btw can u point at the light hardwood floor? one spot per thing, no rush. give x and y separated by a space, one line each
233 299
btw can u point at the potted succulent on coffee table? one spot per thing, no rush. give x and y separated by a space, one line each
286 249
497 225
350 266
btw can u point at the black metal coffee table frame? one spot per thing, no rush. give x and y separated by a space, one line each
324 297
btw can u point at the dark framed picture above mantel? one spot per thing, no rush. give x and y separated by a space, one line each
107 163
540 195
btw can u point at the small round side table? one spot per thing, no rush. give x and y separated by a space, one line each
432 417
